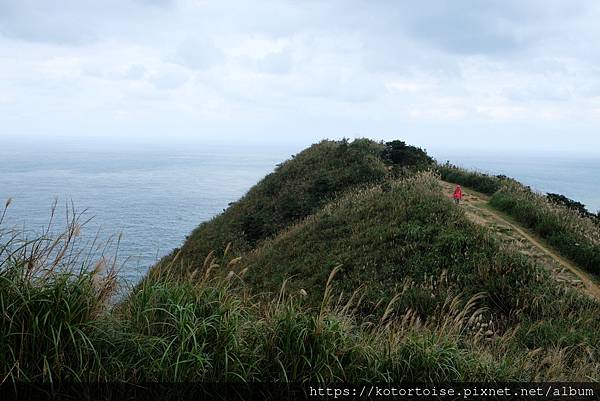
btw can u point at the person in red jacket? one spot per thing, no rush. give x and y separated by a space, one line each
457 194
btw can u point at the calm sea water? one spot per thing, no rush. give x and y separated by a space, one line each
155 197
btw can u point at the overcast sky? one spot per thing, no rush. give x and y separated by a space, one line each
466 74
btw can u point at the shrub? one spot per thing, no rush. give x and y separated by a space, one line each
562 200
400 154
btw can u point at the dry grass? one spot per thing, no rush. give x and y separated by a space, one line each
572 234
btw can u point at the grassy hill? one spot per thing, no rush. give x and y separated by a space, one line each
296 189
381 236
347 263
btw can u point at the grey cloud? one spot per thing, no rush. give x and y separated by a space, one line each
132 72
464 27
463 36
43 22
340 87
198 53
336 61
70 22
136 71
276 63
169 80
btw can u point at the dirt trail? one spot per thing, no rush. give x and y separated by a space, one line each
477 208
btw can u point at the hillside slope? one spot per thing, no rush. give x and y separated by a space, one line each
403 250
383 235
341 205
564 224
478 210
296 189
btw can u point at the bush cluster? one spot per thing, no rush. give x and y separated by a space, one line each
579 207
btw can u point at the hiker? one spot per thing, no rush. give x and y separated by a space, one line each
457 194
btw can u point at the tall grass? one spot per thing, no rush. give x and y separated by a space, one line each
382 235
484 183
57 324
572 234
175 330
50 297
480 313
564 223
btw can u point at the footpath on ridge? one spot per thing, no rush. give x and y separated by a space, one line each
477 209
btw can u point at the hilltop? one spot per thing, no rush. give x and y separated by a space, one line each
298 187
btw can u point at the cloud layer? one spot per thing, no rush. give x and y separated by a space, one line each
438 73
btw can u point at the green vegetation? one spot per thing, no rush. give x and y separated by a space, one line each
404 159
345 264
398 153
572 234
484 183
382 236
562 200
296 189
59 326
579 207
564 223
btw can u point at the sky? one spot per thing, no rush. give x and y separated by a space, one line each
463 74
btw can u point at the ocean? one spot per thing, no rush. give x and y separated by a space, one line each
154 197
